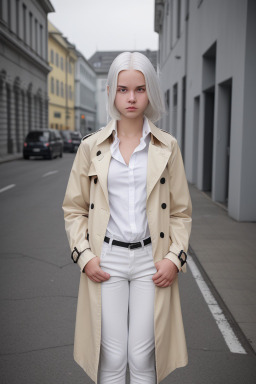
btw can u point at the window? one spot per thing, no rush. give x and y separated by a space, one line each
24 23
70 67
57 88
52 85
57 59
57 115
41 40
178 18
9 13
70 93
18 17
52 56
30 29
61 63
61 89
36 36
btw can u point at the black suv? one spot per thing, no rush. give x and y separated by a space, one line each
46 143
71 140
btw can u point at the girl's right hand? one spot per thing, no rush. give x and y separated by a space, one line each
94 271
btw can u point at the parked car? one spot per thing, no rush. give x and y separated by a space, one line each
46 143
71 140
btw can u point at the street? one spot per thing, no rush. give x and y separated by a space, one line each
39 286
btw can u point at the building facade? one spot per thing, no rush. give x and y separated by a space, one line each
61 80
85 96
207 61
101 61
23 70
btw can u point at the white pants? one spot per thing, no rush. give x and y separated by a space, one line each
127 315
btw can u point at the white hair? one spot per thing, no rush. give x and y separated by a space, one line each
138 62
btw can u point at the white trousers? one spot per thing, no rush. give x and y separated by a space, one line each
127 315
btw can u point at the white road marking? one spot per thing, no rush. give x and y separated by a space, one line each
7 187
230 338
50 173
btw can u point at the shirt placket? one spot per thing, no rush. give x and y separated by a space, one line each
132 194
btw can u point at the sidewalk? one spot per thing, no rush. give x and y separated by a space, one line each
5 158
226 249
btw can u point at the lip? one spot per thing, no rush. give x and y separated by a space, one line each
131 108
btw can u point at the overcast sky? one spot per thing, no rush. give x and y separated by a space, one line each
106 25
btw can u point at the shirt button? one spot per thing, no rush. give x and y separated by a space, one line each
95 180
98 153
162 180
92 206
161 234
163 205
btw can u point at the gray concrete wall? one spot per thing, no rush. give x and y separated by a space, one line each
214 49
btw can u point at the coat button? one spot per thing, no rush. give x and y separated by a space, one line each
163 205
98 153
161 234
162 180
92 206
95 180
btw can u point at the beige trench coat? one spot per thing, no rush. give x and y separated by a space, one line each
166 183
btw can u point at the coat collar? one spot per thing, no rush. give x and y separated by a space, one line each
108 130
158 156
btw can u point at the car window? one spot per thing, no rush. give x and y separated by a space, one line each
38 136
76 135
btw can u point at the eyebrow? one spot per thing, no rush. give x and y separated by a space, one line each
123 86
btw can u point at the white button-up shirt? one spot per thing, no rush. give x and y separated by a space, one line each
127 191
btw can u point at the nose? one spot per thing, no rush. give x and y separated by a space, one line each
132 97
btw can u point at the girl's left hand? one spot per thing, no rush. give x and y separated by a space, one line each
166 273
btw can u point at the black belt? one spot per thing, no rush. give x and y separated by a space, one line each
128 245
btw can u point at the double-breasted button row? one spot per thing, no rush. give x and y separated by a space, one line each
162 180
162 235
163 205
98 153
95 180
92 206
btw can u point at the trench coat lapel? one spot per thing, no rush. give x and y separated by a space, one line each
158 156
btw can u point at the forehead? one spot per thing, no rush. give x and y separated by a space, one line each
130 76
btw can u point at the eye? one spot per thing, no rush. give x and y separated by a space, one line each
141 90
121 90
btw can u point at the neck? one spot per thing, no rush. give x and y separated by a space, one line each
130 127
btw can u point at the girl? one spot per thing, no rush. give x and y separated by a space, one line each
127 213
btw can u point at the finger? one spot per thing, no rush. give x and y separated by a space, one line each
163 284
101 274
94 279
159 279
157 275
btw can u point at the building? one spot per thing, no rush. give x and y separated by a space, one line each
101 61
23 70
85 95
61 80
207 61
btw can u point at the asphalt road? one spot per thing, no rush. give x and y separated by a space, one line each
39 285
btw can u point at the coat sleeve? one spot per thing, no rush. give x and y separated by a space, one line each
180 208
76 205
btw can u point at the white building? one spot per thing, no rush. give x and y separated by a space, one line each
85 96
207 61
23 70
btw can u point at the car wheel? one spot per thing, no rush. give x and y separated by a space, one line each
25 157
50 157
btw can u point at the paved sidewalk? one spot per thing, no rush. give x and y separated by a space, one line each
5 158
226 249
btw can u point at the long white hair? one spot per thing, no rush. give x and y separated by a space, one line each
138 62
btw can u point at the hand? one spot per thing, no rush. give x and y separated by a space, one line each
94 272
166 273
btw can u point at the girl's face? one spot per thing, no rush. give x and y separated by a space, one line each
131 96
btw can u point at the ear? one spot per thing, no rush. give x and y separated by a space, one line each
108 89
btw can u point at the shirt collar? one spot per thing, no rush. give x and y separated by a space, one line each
145 131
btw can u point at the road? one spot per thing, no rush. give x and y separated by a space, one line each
39 285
